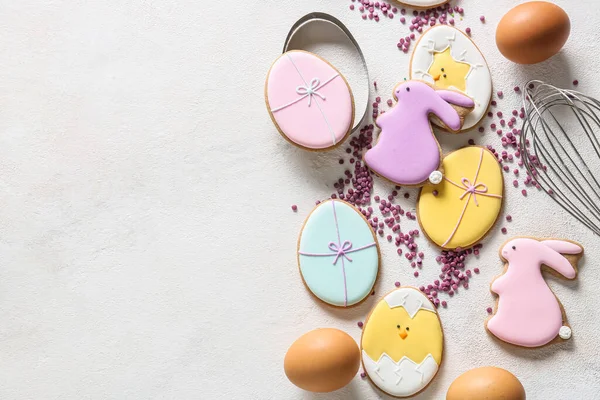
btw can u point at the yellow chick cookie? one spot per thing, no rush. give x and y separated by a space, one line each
448 72
402 342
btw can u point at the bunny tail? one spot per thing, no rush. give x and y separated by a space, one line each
565 332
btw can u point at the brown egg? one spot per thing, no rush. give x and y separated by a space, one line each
322 360
486 383
532 32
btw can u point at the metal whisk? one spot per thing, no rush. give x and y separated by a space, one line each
560 149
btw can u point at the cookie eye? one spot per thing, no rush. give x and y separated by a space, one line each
442 69
408 89
514 247
398 326
407 329
444 75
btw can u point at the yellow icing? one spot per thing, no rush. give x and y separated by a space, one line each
454 72
381 334
438 215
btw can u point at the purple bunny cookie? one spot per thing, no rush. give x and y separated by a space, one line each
407 152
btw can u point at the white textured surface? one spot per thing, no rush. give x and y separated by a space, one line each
146 237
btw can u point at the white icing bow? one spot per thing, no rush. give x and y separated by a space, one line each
310 90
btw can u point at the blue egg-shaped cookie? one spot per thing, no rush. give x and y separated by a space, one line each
338 254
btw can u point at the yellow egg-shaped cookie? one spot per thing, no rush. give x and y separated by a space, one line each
402 343
464 206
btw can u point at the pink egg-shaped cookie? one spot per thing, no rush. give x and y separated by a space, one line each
309 101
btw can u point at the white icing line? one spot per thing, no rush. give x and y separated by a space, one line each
398 371
378 374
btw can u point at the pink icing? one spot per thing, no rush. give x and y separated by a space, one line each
407 152
310 102
528 313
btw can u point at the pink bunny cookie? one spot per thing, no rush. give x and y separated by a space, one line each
407 151
528 313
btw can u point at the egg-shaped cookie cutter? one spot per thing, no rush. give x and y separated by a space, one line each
314 88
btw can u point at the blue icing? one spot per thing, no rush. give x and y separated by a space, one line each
322 277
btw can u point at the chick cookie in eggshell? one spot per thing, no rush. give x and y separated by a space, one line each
402 343
448 59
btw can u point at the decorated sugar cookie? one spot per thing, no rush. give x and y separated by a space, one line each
528 313
407 152
446 58
463 207
309 101
402 343
338 254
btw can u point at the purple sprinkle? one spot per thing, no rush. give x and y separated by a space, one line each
508 218
575 82
482 18
489 310
360 324
397 284
503 230
294 207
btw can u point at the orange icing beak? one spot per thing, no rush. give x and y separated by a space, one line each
403 335
437 77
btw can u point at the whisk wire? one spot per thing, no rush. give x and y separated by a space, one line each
559 159
575 165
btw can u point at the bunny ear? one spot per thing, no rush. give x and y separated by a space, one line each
552 257
456 98
562 246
